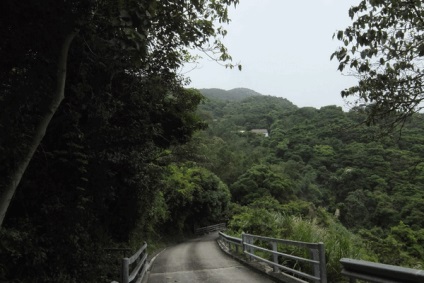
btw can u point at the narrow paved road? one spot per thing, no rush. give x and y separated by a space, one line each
200 260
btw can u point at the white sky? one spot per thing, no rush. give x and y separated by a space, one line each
284 47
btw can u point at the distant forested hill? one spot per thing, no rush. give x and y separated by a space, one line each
235 94
246 109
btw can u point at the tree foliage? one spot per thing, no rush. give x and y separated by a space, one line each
195 197
318 159
116 45
96 179
384 49
261 180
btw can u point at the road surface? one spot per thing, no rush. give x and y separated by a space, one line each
200 260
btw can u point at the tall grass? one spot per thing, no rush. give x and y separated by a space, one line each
338 241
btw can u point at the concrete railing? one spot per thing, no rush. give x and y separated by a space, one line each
211 228
378 272
250 246
138 272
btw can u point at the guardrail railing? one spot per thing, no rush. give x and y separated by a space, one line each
230 241
211 228
378 272
316 260
140 258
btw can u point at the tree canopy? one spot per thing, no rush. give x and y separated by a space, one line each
92 107
384 49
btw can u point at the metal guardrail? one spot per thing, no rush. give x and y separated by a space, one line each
379 273
234 242
140 257
211 228
317 260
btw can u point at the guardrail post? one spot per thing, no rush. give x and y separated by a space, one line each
316 267
252 249
249 240
275 256
125 270
322 263
243 241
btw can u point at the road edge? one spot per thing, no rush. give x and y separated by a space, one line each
150 263
253 265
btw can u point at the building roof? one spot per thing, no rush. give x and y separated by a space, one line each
260 131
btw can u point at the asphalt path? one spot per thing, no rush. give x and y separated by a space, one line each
200 260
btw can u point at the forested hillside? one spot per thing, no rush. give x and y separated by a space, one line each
231 95
323 166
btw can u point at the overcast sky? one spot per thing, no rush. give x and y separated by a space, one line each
284 47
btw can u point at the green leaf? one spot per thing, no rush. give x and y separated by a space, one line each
340 35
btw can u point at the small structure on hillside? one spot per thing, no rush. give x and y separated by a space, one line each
260 132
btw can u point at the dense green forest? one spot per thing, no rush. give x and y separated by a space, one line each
323 166
102 145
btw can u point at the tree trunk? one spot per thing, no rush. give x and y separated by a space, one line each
14 179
